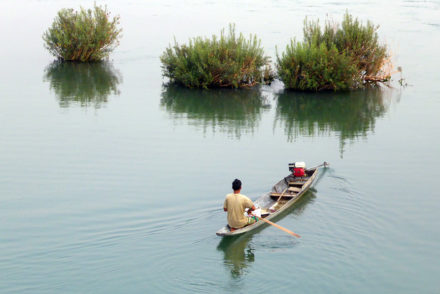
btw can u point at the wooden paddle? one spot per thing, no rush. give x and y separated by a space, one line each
278 226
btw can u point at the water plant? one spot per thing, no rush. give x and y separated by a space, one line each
85 35
338 57
227 61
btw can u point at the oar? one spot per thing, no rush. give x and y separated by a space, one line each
278 226
282 194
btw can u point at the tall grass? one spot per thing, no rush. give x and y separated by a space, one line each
335 57
85 35
316 67
227 61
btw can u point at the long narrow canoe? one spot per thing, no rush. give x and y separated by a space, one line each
283 195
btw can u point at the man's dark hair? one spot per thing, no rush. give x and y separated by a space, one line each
236 185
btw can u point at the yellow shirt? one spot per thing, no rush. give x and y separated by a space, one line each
235 205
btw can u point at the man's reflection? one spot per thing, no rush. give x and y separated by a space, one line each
238 253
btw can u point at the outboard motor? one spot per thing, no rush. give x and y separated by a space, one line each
298 169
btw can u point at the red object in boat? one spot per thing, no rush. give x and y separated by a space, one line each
299 172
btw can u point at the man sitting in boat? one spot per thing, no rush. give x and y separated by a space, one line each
236 204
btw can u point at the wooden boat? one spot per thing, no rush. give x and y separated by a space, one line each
283 195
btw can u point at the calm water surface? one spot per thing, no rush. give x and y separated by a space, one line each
112 182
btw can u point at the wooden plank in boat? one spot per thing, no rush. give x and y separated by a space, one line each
297 183
294 189
285 196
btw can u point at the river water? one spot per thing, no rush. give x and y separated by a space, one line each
112 182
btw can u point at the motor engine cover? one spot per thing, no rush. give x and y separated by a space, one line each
299 172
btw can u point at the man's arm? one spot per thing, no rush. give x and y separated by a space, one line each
249 212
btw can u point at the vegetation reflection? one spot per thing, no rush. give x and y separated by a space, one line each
351 114
83 83
227 110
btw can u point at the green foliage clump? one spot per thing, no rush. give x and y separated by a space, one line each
339 57
315 67
85 35
228 61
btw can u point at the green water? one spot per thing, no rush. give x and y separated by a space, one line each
113 182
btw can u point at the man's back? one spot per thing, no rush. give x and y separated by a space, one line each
236 204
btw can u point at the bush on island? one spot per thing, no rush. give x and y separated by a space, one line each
341 57
85 35
229 61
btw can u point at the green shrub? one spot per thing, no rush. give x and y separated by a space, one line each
315 67
339 57
87 35
228 61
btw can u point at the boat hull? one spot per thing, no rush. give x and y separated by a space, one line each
267 201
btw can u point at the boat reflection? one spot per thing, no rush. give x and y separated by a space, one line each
85 84
350 115
225 110
239 251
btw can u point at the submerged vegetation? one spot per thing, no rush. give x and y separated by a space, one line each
227 61
83 83
339 57
85 35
